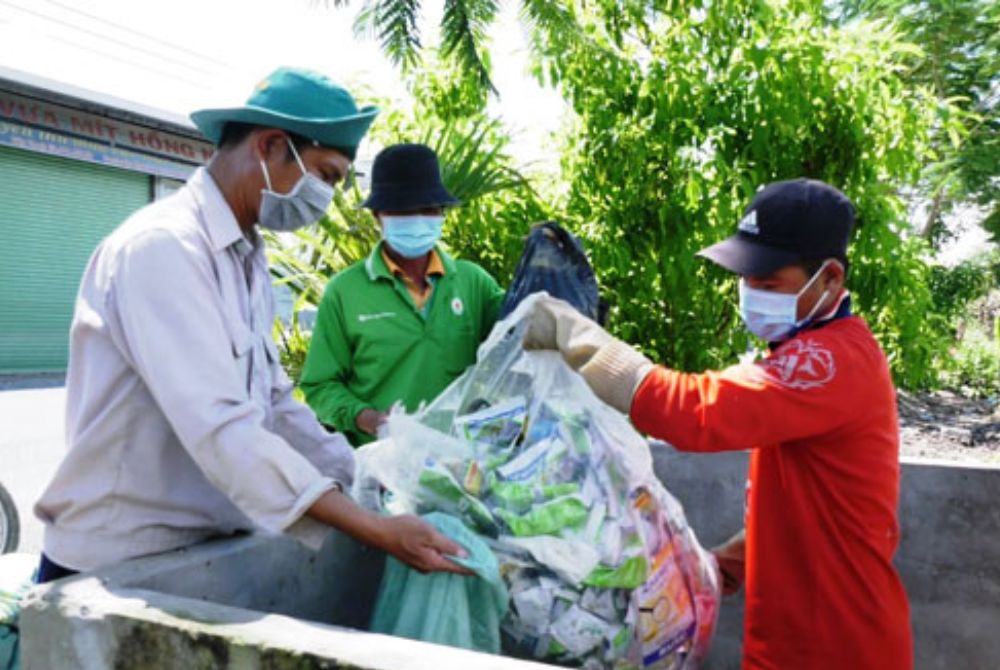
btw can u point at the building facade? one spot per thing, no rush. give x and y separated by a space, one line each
73 166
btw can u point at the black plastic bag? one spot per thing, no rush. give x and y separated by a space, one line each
554 261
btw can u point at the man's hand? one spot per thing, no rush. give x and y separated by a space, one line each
555 324
730 556
418 544
612 368
410 539
368 420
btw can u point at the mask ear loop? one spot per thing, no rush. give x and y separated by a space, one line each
813 278
296 154
267 177
263 166
819 302
812 312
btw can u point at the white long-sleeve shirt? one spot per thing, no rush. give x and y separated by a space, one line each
180 421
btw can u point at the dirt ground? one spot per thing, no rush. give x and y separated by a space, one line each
947 426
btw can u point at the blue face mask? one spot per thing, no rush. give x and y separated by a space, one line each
304 205
412 236
773 316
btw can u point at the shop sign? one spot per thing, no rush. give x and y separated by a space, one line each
25 111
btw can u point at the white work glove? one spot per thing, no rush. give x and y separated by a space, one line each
612 368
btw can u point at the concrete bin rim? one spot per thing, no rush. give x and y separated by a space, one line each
95 601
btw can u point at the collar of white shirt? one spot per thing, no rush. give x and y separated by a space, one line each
223 229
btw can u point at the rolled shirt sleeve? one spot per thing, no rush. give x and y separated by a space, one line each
330 453
170 328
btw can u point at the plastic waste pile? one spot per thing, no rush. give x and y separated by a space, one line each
601 566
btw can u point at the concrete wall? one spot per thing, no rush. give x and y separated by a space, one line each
264 602
948 557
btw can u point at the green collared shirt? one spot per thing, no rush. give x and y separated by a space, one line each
372 347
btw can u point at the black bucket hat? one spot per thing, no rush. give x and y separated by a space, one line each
786 223
406 177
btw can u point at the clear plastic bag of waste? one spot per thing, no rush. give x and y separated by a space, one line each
602 569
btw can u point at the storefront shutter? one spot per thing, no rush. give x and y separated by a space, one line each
53 213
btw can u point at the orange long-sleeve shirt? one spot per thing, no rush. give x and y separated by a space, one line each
819 414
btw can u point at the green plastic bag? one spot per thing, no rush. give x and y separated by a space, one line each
10 658
443 607
17 577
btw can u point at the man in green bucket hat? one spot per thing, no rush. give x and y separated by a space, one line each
181 424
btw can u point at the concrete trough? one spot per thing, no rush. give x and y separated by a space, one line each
266 602
248 603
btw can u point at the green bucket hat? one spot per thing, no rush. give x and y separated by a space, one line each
299 101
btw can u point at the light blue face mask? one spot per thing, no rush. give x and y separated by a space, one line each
772 316
412 236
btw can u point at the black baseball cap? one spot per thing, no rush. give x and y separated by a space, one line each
786 223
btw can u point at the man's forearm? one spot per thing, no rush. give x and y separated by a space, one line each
731 559
337 510
734 547
333 403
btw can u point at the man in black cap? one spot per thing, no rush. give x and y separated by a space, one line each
404 323
818 413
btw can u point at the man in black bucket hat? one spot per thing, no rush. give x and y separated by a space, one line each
818 415
181 423
404 323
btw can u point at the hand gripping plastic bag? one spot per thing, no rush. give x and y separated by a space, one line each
554 261
600 564
443 607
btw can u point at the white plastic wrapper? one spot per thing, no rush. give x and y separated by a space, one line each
602 568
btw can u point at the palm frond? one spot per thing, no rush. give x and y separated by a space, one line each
472 160
394 24
548 16
463 33
554 31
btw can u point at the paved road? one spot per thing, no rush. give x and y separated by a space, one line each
31 446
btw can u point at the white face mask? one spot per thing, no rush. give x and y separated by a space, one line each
772 316
305 204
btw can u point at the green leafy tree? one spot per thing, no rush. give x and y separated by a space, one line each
684 108
959 60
